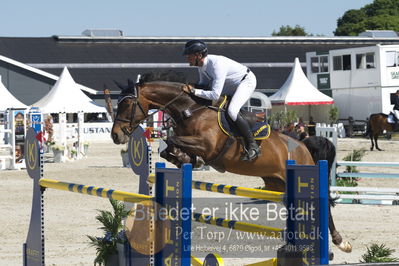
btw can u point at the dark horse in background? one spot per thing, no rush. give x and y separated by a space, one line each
376 125
199 135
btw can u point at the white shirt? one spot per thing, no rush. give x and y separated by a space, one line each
222 74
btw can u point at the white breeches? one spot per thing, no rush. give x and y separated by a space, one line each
242 95
396 112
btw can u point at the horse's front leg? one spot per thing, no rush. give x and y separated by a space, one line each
169 155
176 156
190 144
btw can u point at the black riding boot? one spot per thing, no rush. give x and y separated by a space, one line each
252 147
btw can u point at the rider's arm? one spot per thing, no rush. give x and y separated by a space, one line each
219 75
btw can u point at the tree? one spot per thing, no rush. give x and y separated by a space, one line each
379 15
289 31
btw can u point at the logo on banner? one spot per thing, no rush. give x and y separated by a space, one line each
137 151
31 159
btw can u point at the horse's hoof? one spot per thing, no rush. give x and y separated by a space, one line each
379 149
345 247
199 162
330 255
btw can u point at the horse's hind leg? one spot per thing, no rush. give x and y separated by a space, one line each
336 237
274 183
376 143
372 142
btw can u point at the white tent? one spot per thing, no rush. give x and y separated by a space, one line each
299 94
7 100
66 97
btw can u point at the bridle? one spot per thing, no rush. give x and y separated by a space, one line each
134 96
128 130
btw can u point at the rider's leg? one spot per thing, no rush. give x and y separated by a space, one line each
241 95
251 145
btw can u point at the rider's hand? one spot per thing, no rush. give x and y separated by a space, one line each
189 89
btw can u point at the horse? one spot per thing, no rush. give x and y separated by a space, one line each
376 125
198 135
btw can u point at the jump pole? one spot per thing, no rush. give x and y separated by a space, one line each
175 251
307 187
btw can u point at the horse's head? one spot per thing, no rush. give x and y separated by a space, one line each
131 111
161 91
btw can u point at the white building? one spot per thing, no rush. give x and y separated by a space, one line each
360 79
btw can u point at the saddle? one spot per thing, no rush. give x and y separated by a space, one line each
391 118
259 127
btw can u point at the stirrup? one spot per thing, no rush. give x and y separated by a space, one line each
247 157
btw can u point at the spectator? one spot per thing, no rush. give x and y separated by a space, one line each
303 135
311 127
300 122
290 131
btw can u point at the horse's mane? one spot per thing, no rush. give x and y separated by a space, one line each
382 114
169 75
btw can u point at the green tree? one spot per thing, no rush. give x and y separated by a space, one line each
333 114
379 15
290 31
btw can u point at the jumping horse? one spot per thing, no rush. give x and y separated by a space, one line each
198 135
376 125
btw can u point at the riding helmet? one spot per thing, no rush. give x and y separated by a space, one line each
195 46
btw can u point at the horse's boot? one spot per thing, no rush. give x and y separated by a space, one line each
251 147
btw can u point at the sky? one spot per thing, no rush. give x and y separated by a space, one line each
224 18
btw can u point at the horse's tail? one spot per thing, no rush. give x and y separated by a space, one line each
369 131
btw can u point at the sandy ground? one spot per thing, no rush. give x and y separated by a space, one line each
69 217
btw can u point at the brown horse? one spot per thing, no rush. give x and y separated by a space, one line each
376 125
197 134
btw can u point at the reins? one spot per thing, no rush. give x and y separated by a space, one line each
146 115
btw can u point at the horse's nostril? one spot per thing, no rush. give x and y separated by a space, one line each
115 138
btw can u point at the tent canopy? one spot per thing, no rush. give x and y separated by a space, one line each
297 90
7 100
66 97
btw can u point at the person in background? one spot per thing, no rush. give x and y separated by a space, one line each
224 76
311 127
300 122
302 136
300 128
290 131
396 110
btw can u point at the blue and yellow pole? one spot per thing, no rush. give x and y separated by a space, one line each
94 191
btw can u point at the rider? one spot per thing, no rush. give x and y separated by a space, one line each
224 76
396 110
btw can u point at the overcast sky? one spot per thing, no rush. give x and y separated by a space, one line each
44 18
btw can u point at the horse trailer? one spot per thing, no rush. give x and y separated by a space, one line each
360 80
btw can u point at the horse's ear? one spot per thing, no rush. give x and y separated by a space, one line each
130 83
120 86
132 87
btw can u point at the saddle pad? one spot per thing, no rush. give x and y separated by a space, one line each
260 130
390 118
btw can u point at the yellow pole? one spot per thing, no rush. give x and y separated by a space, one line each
233 190
94 191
